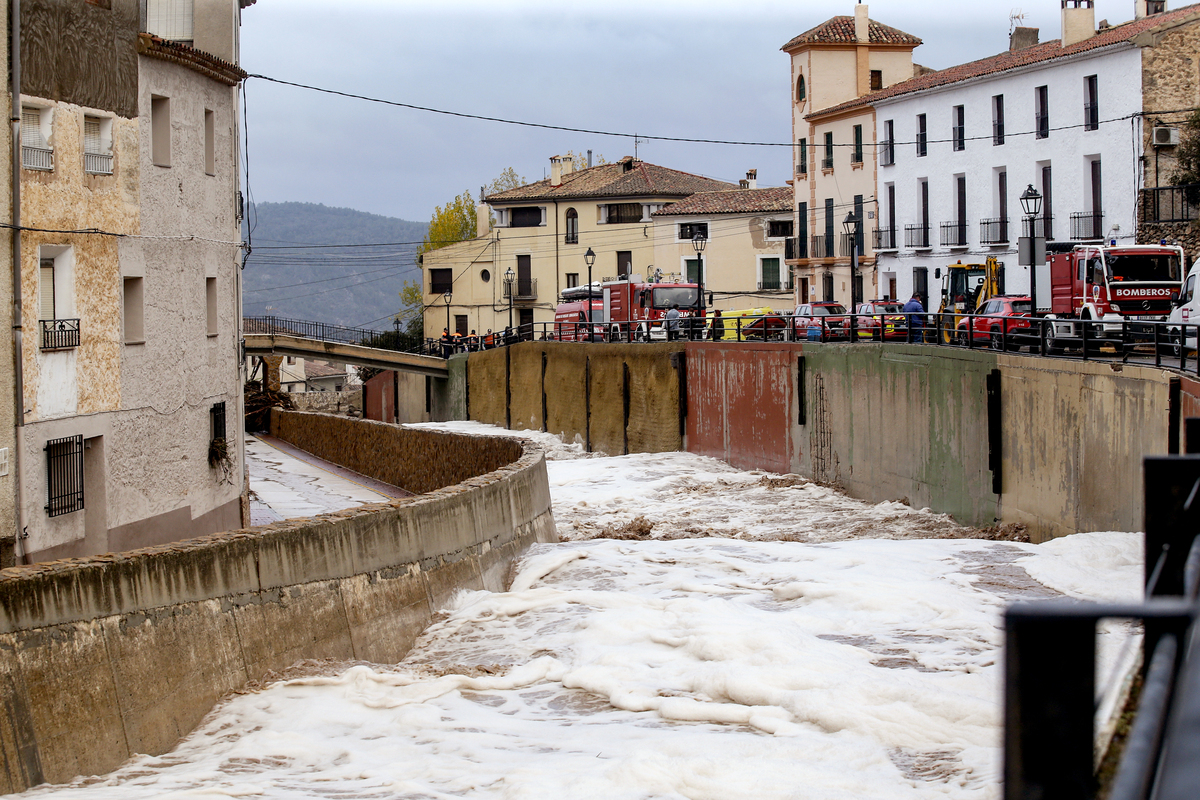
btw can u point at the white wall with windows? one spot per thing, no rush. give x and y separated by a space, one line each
1088 172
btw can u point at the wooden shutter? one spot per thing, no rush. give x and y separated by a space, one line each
46 290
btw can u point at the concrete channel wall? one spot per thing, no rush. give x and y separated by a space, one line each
125 653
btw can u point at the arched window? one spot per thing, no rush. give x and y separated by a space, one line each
801 92
572 226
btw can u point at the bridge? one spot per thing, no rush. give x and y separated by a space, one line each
357 346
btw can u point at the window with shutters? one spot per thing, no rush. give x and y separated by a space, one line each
58 332
36 152
170 19
97 146
625 213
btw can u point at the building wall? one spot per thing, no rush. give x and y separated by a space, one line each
1168 83
8 432
1067 151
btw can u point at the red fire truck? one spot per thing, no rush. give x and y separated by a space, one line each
571 315
634 310
1107 287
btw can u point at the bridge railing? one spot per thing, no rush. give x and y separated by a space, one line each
305 329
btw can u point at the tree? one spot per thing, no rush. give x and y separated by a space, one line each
580 159
453 223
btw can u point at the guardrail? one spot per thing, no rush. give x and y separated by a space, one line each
1050 665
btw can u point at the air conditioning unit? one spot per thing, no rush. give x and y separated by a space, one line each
1166 137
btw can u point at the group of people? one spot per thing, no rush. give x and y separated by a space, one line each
455 342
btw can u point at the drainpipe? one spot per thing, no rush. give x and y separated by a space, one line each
18 347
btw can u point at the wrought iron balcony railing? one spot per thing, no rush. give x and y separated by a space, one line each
521 289
954 233
1087 225
993 231
917 237
59 334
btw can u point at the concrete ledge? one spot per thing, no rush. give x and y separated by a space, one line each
125 653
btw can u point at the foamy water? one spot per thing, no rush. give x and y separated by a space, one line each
781 656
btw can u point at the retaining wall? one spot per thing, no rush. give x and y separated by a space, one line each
125 653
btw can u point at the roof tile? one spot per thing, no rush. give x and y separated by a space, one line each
840 30
625 178
735 201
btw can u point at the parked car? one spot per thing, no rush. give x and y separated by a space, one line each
824 320
881 319
1186 313
1003 316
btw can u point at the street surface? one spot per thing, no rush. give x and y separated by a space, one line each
701 632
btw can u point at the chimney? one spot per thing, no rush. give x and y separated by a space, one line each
1078 21
1022 38
752 179
483 219
1148 8
556 170
568 165
862 24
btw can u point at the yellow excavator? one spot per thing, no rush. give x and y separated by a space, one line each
965 288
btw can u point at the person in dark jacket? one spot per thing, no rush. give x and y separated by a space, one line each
447 343
718 326
916 317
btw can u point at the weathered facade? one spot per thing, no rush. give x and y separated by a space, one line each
130 259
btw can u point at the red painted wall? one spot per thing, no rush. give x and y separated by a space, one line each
379 399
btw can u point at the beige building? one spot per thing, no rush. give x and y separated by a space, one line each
129 263
9 470
834 159
542 232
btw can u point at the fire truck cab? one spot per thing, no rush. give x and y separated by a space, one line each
634 309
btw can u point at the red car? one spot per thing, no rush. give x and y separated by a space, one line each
881 319
774 324
822 321
1005 315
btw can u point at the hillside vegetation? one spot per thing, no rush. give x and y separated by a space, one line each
289 274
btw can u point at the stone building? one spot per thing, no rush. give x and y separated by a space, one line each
129 255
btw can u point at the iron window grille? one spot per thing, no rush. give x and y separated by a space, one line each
779 228
1042 227
37 158
1087 225
688 230
1091 116
916 236
64 475
59 334
885 238
1042 123
954 234
959 135
822 246
1171 203
887 155
216 415
795 247
827 162
993 231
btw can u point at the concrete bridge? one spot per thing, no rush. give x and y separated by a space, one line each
286 337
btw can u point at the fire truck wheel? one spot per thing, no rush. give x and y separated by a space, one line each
1049 342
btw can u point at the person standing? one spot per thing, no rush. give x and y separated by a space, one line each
447 343
916 317
673 323
718 326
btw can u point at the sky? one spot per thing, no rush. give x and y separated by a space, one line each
777 639
672 68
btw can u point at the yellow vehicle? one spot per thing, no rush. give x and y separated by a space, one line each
751 321
965 288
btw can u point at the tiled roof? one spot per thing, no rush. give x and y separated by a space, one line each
187 56
735 201
322 369
1016 59
840 30
626 178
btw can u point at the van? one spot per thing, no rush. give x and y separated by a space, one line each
1187 312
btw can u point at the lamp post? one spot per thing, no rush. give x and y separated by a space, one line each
589 258
509 277
698 242
850 224
448 294
1032 247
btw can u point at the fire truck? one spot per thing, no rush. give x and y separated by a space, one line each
571 315
1109 288
634 309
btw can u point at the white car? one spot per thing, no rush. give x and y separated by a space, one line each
1187 312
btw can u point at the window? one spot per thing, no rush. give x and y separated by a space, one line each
769 274
46 289
572 279
572 236
1091 103
58 330
170 19
802 158
692 267
440 281
624 213
959 128
857 157
1047 203
210 144
922 140
779 228
688 230
998 120
97 147
1041 114
876 80
624 262
460 325
889 143
210 305
160 131
827 163
64 475
36 152
133 305
525 217
801 91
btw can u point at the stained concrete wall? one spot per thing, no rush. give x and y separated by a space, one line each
121 654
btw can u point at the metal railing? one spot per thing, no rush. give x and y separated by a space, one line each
958 133
1038 226
521 289
993 231
954 234
887 153
97 163
773 285
1087 225
997 133
795 247
885 238
822 247
37 157
827 162
849 240
59 334
917 236
1091 116
64 475
1171 203
1041 125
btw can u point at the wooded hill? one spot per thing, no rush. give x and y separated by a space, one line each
293 272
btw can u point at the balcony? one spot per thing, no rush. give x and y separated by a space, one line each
917 237
1041 125
97 163
1091 116
775 285
887 154
954 233
1087 225
795 247
997 133
848 242
1171 203
521 289
993 231
59 334
822 247
958 134
827 162
37 158
885 238
1042 227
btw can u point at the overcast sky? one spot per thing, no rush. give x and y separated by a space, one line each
679 68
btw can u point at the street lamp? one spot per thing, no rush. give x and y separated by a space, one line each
589 258
851 226
698 242
448 294
1032 247
509 276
